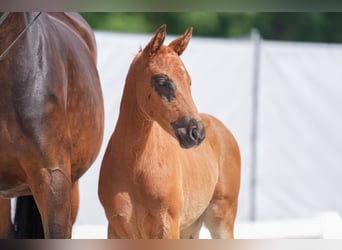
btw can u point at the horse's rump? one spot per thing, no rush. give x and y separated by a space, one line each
79 26
51 114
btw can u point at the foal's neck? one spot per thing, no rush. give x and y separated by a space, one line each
133 124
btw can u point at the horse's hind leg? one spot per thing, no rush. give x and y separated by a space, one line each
52 191
6 227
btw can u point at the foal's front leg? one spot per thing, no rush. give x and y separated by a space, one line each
162 225
220 217
128 220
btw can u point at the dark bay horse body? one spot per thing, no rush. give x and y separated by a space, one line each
51 118
167 169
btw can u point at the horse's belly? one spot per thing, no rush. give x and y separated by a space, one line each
11 191
12 183
12 177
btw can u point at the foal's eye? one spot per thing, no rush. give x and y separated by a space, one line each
162 82
164 86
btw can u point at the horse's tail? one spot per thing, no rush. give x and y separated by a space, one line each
27 220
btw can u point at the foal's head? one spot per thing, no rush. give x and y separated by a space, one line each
163 88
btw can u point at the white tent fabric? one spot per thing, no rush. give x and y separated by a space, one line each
299 146
298 138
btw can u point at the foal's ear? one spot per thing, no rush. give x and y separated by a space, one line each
156 42
180 44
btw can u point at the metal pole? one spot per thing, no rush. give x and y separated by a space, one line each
256 38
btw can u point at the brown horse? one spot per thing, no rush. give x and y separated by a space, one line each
51 119
167 169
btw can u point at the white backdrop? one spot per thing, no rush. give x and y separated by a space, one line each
300 138
298 167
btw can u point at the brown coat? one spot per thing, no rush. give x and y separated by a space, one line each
167 168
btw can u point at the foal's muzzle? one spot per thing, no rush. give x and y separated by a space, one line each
189 131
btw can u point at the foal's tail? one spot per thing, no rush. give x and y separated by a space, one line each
27 220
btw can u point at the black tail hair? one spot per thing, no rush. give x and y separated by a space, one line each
27 220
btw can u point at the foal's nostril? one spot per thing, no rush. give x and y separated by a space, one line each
194 133
189 131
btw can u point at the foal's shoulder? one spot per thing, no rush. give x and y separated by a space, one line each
210 120
214 125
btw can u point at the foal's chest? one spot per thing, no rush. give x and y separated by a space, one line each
200 176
